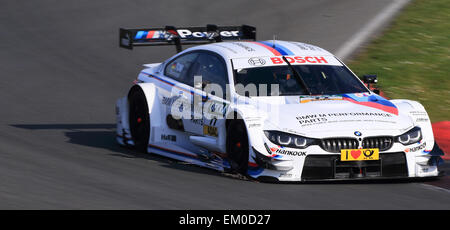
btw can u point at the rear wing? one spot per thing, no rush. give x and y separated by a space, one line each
169 35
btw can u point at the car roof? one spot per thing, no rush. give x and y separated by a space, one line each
243 49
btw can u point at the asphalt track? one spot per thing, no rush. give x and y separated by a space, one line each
62 71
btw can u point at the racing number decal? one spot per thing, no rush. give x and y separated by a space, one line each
213 121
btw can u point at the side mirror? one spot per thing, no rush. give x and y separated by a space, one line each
368 79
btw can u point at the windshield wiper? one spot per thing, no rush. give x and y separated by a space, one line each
297 75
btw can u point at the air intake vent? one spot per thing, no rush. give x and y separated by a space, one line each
335 145
382 143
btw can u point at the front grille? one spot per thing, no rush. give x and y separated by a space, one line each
334 145
382 143
317 167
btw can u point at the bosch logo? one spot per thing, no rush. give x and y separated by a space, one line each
256 61
357 133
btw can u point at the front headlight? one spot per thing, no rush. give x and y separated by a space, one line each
288 140
412 136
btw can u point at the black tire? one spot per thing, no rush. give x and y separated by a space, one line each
139 119
237 146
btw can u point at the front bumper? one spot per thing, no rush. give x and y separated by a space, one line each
315 165
325 167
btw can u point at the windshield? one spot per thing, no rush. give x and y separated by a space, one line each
319 80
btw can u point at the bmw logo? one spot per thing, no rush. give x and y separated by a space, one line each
357 133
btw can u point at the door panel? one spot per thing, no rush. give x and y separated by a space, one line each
179 96
211 69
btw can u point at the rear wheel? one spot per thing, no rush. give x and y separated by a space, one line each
237 146
139 119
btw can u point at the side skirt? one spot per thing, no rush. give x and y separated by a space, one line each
216 163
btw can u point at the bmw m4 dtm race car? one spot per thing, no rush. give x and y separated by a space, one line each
274 110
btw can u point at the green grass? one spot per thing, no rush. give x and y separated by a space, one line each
412 57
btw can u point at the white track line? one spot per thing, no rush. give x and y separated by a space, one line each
436 188
370 28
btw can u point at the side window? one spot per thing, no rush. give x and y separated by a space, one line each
178 69
212 70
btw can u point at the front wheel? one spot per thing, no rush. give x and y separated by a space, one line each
237 146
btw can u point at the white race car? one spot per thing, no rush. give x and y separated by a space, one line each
272 110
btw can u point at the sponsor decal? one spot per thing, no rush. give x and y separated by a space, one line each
155 34
299 59
320 118
418 113
213 108
182 33
286 175
210 131
312 119
226 47
359 154
277 51
281 150
304 46
241 63
189 34
248 48
197 121
275 48
255 125
255 61
252 118
169 100
166 137
422 120
373 101
361 94
299 45
417 148
421 116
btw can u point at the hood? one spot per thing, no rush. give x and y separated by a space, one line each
334 115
